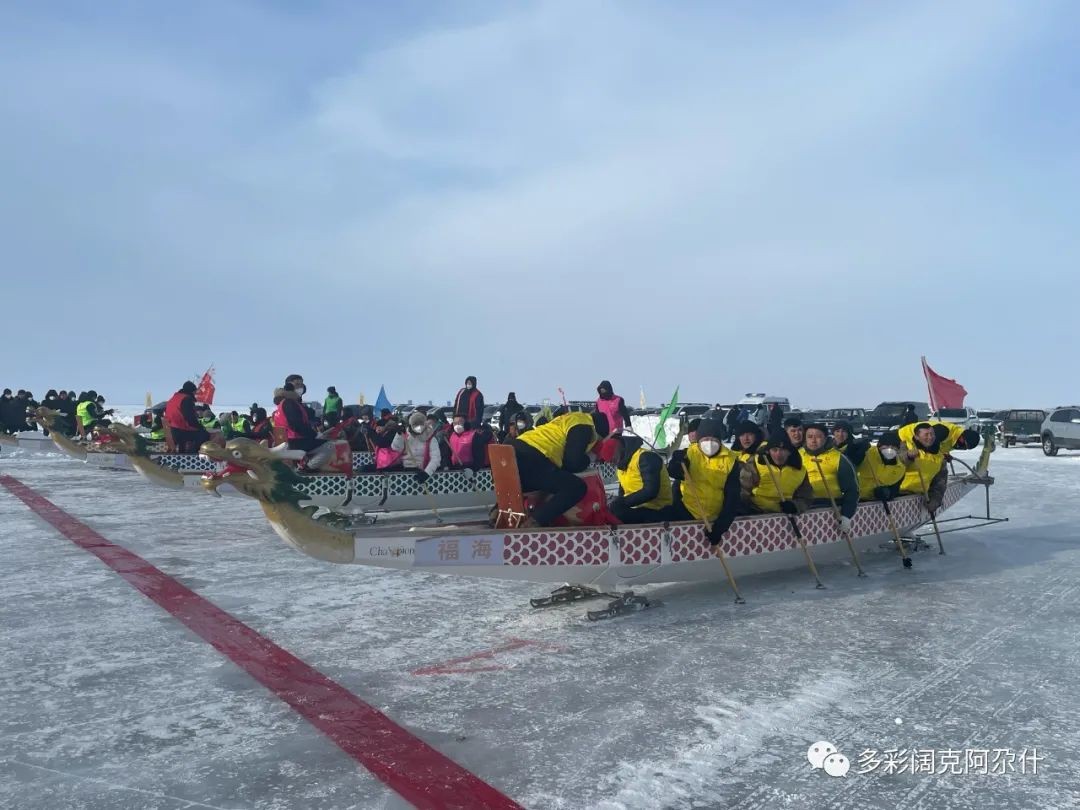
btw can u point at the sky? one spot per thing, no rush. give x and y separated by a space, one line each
798 199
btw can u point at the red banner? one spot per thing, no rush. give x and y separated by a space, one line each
944 393
205 391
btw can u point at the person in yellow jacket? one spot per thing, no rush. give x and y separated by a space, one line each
831 478
925 459
949 435
778 462
882 469
748 440
708 480
644 486
550 455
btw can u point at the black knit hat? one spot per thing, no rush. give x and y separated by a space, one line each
793 421
188 387
842 424
816 426
969 440
778 439
710 427
746 426
890 438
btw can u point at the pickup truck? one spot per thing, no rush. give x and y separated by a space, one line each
1022 427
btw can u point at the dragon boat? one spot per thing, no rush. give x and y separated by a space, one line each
352 492
605 556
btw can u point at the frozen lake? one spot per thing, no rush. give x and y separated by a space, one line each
108 702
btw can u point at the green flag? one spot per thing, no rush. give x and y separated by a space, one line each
660 439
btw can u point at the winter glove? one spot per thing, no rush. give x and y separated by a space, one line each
468 472
789 508
421 477
715 535
845 525
883 493
678 461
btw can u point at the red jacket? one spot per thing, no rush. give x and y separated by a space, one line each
180 412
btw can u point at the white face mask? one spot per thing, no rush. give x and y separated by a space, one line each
521 425
887 453
709 447
300 390
459 428
418 429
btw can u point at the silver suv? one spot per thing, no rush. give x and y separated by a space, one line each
1061 430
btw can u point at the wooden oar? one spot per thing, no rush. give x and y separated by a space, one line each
837 515
795 528
717 548
434 506
906 560
933 517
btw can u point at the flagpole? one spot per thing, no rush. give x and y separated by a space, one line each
929 386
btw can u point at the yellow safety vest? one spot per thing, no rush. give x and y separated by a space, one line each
550 438
83 412
929 464
703 491
631 482
764 496
824 482
887 474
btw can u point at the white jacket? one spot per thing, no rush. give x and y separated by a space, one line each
414 445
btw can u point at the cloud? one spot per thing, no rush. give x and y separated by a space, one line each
622 189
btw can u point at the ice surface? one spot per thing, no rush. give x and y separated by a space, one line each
107 702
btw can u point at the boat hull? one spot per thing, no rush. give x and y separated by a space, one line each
633 555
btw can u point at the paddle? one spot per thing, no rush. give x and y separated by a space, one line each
717 550
837 515
795 528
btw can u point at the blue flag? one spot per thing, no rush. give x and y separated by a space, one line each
382 402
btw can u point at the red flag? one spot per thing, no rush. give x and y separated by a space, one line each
205 391
944 393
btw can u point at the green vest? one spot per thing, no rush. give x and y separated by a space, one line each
209 422
83 412
157 435
331 405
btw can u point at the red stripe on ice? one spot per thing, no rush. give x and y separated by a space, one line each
402 761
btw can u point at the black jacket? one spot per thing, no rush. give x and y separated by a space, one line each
576 452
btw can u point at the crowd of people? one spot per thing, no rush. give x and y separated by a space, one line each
771 463
79 413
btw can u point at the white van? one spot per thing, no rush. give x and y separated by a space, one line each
753 400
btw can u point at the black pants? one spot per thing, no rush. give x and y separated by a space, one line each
676 512
538 474
331 418
189 441
630 514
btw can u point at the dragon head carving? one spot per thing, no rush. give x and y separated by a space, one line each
253 470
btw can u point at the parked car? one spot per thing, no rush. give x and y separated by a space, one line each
966 417
856 416
1022 427
1061 430
692 410
887 415
988 418
751 401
